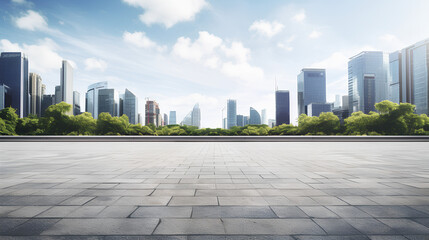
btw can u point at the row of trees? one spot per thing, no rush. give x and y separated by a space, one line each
390 119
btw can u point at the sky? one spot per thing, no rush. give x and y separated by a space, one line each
180 53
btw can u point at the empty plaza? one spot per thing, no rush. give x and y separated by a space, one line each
214 190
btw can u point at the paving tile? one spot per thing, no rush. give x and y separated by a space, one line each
178 192
239 201
86 212
162 212
33 227
104 226
189 226
232 212
8 224
288 212
336 226
348 212
58 212
392 211
318 212
193 201
142 201
76 201
370 226
405 226
27 211
116 211
271 226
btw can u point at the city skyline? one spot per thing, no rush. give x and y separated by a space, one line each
161 58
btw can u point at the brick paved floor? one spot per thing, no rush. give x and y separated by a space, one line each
214 191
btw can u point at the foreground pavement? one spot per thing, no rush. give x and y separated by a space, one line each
304 191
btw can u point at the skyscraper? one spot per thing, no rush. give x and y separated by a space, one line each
76 103
58 95
35 94
255 118
311 88
282 107
315 109
14 89
240 120
152 113
394 76
66 83
172 119
231 113
193 118
246 120
337 102
345 102
99 98
413 76
165 119
47 100
264 116
367 80
130 106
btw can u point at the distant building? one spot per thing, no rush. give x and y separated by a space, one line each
341 114
14 89
47 101
282 107
152 113
141 120
129 106
231 113
240 120
271 123
246 120
165 119
99 98
367 80
66 83
311 88
224 123
315 109
193 118
76 103
345 102
35 94
172 120
58 95
255 118
264 116
337 103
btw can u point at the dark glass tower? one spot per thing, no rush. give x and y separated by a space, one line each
282 107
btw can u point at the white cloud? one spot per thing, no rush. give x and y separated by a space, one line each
204 46
32 21
315 34
95 64
237 51
139 39
243 71
168 12
21 2
391 42
266 28
299 17
337 61
42 56
285 47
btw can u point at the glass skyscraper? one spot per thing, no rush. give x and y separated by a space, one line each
367 80
129 106
66 83
35 87
172 118
231 112
315 109
394 77
76 103
240 120
152 113
193 118
92 98
165 119
311 88
14 89
282 107
255 118
47 100
108 101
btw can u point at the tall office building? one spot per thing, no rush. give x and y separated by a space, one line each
240 120
66 83
337 103
311 88
255 118
231 113
76 103
35 83
224 123
367 80
264 116
315 109
412 76
152 113
99 98
141 120
282 107
172 119
129 106
345 102
47 100
58 95
14 89
165 119
394 77
246 120
193 118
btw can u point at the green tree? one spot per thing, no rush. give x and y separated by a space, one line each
83 124
324 124
108 125
10 119
56 121
361 124
29 126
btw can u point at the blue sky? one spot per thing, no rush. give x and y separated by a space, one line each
182 52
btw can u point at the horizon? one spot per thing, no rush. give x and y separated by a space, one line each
181 56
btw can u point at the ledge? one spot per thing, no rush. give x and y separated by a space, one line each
214 138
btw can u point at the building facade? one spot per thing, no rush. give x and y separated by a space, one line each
66 83
129 106
315 109
231 113
14 87
165 119
47 100
240 121
76 103
264 116
193 118
367 80
92 99
35 86
172 120
255 118
282 107
152 113
311 88
108 101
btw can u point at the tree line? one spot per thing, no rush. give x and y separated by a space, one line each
390 119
